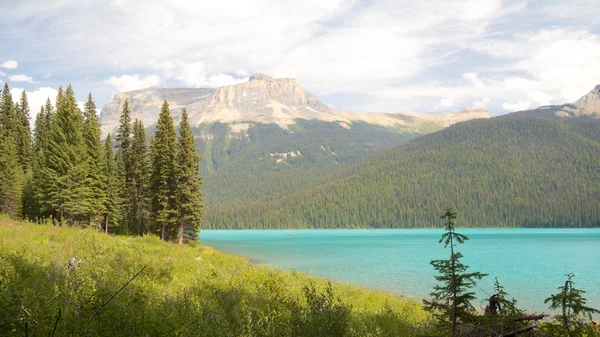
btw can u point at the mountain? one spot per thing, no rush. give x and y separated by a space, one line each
267 138
588 105
511 170
265 100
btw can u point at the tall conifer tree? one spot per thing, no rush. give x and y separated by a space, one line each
123 171
140 172
111 202
11 172
65 164
7 110
163 178
22 132
189 195
95 179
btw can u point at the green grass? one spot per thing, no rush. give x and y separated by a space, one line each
184 291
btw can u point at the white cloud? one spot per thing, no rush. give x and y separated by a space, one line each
132 82
48 75
21 78
194 74
516 106
9 64
2 74
396 54
37 99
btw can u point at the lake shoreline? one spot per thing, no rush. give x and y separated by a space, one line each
396 261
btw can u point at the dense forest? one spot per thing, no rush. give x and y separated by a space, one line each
267 162
63 174
507 171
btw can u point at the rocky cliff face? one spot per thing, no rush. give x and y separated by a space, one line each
586 105
261 100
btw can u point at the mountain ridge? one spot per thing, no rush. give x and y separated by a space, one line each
263 99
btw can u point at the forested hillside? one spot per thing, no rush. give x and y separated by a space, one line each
266 161
507 171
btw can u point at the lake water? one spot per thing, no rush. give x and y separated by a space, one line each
529 263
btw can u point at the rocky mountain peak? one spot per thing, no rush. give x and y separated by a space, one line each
590 103
259 76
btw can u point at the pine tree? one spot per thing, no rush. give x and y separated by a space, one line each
95 179
573 309
123 171
163 175
7 110
65 168
140 173
11 172
189 195
22 132
36 201
451 300
111 202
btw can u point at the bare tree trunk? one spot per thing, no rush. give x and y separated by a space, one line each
106 225
181 234
162 234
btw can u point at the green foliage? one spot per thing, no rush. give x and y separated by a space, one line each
11 176
509 171
189 196
451 299
324 315
112 215
11 169
95 178
500 312
22 132
64 170
140 176
163 176
123 174
184 290
574 311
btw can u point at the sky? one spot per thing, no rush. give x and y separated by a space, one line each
369 56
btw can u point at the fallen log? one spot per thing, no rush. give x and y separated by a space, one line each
529 317
521 330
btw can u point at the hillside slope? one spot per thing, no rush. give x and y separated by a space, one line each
183 291
506 171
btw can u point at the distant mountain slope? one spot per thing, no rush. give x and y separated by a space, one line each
587 105
268 162
265 100
507 171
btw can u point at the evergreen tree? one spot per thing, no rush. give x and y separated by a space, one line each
189 195
140 173
163 177
65 168
7 110
11 173
111 202
95 179
123 172
451 300
22 132
36 203
570 301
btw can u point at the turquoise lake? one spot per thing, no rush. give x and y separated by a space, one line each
530 263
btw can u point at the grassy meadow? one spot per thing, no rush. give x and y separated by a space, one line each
61 281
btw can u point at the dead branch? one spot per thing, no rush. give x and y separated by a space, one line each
56 323
110 299
529 317
521 330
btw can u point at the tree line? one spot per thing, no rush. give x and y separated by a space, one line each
509 171
62 173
